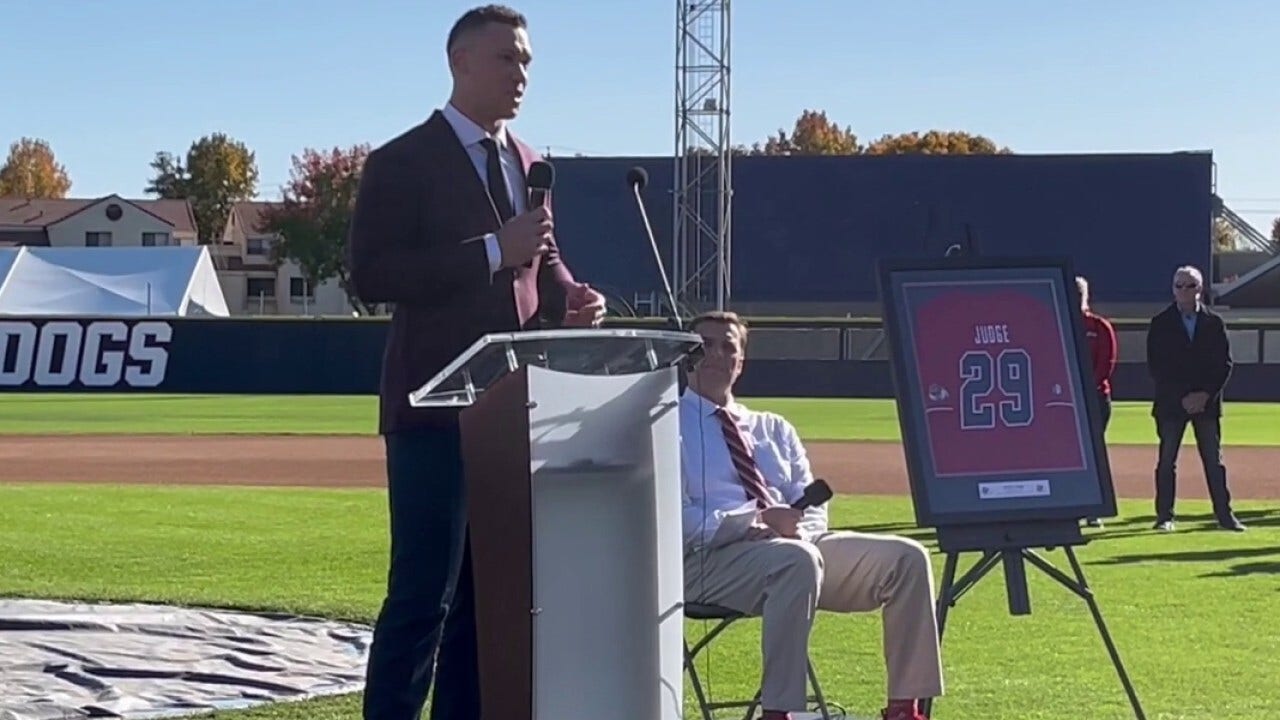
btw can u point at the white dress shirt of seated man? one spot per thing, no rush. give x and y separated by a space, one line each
749 551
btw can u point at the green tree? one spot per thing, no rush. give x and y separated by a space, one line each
218 173
170 178
314 214
32 171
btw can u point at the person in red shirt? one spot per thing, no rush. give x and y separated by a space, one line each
1102 354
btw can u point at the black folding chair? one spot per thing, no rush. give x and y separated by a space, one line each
726 617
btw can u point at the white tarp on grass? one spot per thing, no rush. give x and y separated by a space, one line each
110 281
134 661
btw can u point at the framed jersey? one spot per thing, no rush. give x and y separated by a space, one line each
992 386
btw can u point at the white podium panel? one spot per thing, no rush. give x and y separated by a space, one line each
607 559
571 447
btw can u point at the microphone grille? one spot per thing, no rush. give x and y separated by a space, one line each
638 176
541 175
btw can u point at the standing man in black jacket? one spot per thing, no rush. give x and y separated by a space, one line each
1189 357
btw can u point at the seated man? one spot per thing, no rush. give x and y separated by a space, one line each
748 550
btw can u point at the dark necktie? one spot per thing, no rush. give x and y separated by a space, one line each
498 191
748 472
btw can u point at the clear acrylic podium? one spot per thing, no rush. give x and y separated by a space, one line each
571 445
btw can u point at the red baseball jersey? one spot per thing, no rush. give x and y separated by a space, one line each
997 388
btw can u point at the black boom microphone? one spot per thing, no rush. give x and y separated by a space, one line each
637 178
816 494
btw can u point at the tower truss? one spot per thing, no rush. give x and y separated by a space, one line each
703 174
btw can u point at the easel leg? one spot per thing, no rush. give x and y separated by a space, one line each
1080 587
945 601
950 591
1087 593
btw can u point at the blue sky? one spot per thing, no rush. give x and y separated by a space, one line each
110 83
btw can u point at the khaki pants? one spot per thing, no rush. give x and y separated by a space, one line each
785 581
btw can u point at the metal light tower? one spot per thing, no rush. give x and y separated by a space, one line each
703 173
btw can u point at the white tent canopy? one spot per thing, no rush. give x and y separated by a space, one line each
107 281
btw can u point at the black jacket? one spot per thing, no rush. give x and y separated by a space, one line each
1180 365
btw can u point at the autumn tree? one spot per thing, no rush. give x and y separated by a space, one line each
218 173
935 142
312 218
1225 237
816 134
31 171
813 134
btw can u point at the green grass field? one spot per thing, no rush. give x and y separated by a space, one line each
816 419
1192 612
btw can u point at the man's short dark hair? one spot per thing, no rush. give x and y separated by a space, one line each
721 316
477 18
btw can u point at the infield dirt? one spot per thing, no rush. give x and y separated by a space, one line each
356 461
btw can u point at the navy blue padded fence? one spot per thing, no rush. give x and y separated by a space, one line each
320 357
224 356
809 229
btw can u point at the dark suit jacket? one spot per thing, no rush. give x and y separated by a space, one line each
1180 365
416 241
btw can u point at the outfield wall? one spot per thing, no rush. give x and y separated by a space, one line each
809 229
342 356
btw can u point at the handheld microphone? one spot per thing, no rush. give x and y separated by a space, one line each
541 177
637 178
816 494
552 305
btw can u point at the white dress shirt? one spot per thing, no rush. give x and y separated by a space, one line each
717 508
470 134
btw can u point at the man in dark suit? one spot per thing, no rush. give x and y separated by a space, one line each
1189 357
442 230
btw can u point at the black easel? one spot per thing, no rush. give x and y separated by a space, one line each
1012 545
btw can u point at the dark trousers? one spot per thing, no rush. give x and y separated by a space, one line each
1208 432
1104 414
429 605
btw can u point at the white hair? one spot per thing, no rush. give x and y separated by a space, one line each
1189 271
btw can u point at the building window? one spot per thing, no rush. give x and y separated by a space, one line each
257 246
298 287
155 239
97 239
256 287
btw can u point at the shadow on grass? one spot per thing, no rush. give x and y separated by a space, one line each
925 536
1200 523
1266 567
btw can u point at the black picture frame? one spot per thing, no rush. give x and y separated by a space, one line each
956 498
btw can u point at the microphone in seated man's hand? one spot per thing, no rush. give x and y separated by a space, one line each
816 494
783 520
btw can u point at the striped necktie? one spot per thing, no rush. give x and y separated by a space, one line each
750 475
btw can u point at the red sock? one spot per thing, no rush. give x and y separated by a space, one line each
901 707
